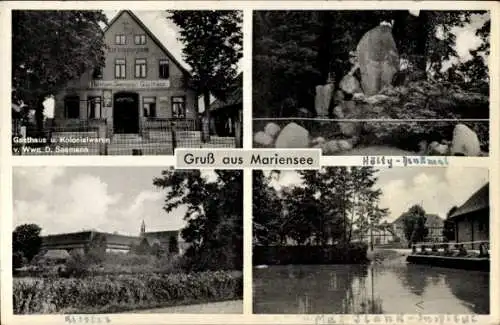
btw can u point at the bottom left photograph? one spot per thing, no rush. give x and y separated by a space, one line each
127 240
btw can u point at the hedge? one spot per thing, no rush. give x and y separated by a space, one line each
354 253
115 293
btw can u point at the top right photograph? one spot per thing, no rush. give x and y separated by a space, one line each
364 82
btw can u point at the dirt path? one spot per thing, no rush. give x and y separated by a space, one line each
223 307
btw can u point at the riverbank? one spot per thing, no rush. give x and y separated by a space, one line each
388 255
221 307
465 263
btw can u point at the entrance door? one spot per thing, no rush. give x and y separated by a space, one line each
126 113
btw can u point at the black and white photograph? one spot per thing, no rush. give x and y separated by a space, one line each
86 240
372 82
107 82
360 240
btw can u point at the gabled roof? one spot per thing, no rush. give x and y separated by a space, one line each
235 97
433 219
150 34
428 219
478 201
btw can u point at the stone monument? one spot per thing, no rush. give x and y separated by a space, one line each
378 58
324 95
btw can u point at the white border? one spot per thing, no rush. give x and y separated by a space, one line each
7 161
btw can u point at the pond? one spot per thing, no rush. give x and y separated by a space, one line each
369 289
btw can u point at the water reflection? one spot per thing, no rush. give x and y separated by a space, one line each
361 289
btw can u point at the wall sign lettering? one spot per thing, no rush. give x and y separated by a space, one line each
130 84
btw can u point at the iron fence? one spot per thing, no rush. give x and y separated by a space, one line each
449 247
158 137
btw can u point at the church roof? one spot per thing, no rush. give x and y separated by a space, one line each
83 237
163 235
151 35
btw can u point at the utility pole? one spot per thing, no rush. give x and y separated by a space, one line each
371 227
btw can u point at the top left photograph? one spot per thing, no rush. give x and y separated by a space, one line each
99 82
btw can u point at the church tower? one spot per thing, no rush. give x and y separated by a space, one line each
143 228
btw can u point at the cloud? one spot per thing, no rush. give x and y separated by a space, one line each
143 198
39 179
84 203
284 179
437 190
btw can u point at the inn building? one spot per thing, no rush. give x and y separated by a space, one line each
140 93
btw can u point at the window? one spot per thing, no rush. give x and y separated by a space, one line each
149 106
164 69
72 107
120 39
94 107
140 39
97 74
178 106
140 68
120 69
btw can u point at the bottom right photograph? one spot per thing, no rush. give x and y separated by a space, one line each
364 240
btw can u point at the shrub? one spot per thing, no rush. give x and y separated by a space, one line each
113 293
353 253
18 260
423 100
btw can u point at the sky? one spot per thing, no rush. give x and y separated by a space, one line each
466 39
109 199
437 189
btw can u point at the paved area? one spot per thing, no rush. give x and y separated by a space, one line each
223 307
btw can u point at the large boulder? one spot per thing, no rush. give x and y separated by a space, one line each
350 84
378 59
293 136
465 142
263 139
272 129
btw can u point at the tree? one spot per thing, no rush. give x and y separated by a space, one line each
214 215
173 245
302 214
449 225
414 224
267 211
95 249
296 50
26 240
50 48
213 41
142 247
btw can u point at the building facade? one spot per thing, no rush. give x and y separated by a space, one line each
433 223
227 115
140 89
80 241
472 219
